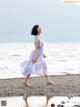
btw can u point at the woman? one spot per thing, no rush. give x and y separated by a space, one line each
36 64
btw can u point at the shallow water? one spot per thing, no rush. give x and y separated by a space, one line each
62 58
40 101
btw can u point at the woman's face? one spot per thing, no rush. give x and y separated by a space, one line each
39 30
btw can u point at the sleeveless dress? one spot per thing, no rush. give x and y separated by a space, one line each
39 67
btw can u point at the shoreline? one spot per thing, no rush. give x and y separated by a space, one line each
55 75
65 85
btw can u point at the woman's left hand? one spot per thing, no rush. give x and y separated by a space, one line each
44 56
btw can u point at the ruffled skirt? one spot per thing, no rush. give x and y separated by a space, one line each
38 68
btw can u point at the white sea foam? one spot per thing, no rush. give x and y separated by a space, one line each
62 58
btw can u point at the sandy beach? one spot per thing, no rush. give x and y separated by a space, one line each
65 85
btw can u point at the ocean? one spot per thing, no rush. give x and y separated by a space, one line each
62 58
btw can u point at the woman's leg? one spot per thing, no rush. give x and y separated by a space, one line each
47 78
26 80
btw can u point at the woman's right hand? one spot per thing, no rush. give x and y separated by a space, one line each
34 59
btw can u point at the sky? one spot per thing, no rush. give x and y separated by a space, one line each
60 21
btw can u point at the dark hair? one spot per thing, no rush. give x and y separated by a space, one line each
34 30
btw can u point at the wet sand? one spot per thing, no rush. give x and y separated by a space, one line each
65 85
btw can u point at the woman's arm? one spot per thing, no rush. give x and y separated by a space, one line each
35 51
36 46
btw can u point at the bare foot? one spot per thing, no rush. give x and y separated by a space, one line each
50 83
27 84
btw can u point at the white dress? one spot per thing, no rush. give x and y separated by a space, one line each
39 67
